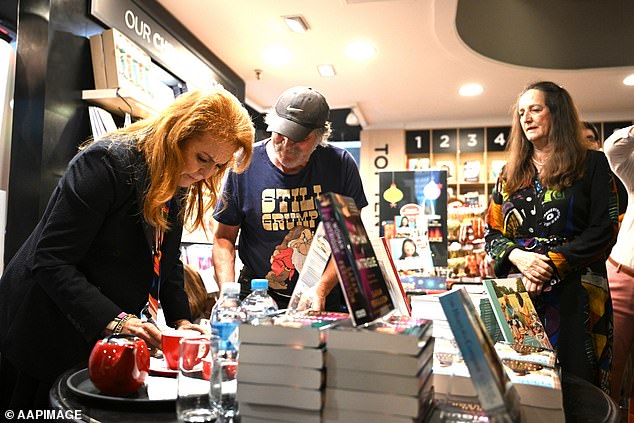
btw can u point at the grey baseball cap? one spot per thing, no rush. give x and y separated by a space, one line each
297 112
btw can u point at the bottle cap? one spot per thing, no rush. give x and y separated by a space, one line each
230 288
259 284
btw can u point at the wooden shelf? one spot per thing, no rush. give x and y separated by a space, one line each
120 103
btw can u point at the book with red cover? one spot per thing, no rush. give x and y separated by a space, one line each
363 284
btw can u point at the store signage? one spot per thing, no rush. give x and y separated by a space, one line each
417 142
444 141
471 140
497 138
134 23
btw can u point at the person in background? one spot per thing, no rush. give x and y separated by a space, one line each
404 222
552 217
590 133
200 301
88 268
272 205
619 149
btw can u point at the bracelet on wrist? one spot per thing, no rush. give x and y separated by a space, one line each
116 326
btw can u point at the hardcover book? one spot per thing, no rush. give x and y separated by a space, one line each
528 353
265 373
515 313
271 413
363 284
282 355
394 334
380 362
305 329
306 399
386 262
486 369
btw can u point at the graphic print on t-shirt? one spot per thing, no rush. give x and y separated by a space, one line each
293 210
288 258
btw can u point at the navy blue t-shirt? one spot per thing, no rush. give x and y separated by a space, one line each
277 213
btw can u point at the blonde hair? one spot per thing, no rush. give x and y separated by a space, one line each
564 166
215 112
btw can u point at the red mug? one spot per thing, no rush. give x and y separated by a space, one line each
194 351
119 364
170 344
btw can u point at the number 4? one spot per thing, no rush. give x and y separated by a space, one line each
500 139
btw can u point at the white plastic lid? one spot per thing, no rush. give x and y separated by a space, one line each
230 288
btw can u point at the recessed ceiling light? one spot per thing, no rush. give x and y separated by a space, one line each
326 70
296 23
360 50
470 90
277 56
629 80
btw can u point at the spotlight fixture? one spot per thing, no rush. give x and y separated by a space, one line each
326 70
296 23
470 90
629 80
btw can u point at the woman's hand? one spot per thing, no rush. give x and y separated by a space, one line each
186 324
535 268
144 330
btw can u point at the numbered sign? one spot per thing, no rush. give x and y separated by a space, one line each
471 140
497 138
417 142
444 140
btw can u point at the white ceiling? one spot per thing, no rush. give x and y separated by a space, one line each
413 80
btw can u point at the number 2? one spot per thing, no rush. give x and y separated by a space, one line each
444 141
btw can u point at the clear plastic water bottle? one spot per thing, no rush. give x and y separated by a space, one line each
226 317
258 304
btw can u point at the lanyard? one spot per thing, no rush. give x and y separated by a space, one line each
153 303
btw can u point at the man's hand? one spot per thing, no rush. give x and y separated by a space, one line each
144 330
311 300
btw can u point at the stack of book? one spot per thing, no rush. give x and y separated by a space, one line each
379 372
281 372
428 307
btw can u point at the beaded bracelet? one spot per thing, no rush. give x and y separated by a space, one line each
117 330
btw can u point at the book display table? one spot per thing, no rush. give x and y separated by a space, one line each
583 402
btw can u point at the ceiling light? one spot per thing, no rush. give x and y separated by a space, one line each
277 56
470 90
360 50
629 80
326 70
296 23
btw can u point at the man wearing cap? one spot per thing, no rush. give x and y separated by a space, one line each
272 204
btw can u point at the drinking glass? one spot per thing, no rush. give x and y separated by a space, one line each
194 402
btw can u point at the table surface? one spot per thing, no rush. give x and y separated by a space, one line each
583 402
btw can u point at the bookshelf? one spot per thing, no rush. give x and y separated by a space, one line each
470 155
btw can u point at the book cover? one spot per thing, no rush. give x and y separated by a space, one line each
515 313
314 265
306 329
265 373
496 169
383 255
362 282
471 171
282 355
394 334
486 369
98 62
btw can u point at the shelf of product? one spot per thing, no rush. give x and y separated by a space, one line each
121 101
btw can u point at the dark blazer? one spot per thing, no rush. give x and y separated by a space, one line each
88 259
